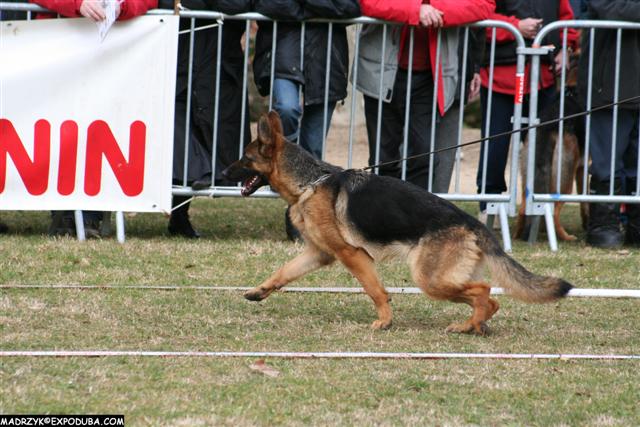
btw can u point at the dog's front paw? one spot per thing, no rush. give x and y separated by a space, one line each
381 324
256 294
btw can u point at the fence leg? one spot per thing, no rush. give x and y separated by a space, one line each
535 228
504 227
79 225
551 229
120 226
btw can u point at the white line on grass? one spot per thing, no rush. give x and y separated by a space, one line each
576 292
312 355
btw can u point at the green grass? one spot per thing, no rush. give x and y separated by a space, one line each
243 243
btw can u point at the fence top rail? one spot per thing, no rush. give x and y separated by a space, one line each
254 16
559 25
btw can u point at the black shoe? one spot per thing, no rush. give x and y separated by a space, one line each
3 228
632 235
202 183
604 219
292 232
181 226
606 237
92 229
62 224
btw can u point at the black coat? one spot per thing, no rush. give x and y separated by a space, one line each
287 64
521 9
203 92
604 49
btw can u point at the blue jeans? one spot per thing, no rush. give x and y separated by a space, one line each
308 131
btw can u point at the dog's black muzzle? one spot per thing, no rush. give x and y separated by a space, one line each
251 180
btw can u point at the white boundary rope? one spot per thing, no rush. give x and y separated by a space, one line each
576 292
314 355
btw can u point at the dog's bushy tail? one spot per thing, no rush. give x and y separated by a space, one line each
520 282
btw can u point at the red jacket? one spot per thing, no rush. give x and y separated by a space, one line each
71 8
456 12
504 75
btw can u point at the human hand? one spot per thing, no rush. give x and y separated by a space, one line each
474 87
529 27
92 9
430 16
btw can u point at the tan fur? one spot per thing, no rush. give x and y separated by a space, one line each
572 170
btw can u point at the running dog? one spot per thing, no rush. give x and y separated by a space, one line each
359 218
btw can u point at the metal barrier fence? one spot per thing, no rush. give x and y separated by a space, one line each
500 205
538 201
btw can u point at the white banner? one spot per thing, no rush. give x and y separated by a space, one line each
86 124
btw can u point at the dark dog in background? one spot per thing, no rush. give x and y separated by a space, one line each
548 148
359 218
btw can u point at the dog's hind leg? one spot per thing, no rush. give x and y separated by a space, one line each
311 259
361 265
475 294
448 268
560 230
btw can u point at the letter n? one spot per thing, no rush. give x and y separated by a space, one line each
34 174
130 174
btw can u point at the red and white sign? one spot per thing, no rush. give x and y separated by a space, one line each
85 124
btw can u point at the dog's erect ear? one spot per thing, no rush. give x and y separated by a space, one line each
265 135
276 123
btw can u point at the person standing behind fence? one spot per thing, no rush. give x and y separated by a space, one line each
427 19
202 109
604 229
63 222
303 120
528 16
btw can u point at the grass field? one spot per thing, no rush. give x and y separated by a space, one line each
244 242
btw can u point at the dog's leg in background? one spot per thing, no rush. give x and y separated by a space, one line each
570 162
584 207
360 264
311 259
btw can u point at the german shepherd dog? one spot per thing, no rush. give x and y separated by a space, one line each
358 218
547 153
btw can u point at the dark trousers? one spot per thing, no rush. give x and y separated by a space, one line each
392 128
498 148
626 152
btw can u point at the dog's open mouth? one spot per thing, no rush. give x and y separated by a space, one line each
251 184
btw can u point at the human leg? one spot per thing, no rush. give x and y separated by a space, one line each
604 222
420 119
497 149
446 137
632 236
286 101
311 137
